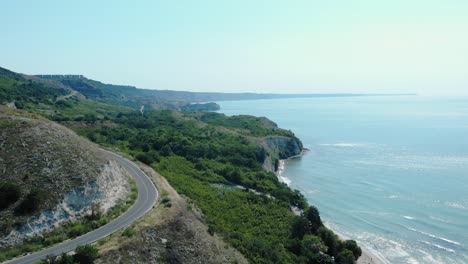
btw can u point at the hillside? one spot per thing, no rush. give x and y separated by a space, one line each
52 175
51 98
223 167
173 232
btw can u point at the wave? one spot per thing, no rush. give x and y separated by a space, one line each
408 217
440 219
414 162
438 246
313 191
344 145
435 237
279 173
456 205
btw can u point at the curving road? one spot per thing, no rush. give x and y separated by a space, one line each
147 196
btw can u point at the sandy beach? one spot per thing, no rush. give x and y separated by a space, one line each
368 258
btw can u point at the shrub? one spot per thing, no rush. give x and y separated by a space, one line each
300 227
9 194
166 201
352 246
128 232
31 203
85 254
345 257
312 214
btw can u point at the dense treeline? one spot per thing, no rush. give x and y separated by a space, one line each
217 168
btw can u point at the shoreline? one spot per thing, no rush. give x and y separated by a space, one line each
367 257
282 165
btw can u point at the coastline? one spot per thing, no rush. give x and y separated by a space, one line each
282 164
367 257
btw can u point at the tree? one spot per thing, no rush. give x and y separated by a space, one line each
345 257
313 244
300 227
330 239
85 254
312 214
352 246
321 259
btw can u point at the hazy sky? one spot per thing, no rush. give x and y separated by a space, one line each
308 46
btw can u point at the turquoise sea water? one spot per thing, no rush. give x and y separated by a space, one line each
389 172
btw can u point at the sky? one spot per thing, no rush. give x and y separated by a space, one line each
291 46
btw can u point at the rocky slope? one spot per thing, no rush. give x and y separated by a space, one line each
57 176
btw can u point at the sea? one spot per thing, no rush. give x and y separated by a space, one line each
390 172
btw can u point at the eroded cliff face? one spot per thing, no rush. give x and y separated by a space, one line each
69 174
278 148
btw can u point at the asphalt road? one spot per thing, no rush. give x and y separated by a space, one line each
147 196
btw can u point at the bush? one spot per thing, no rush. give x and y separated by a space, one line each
77 230
312 214
128 232
300 227
31 203
312 244
352 246
85 254
329 239
345 257
9 194
166 201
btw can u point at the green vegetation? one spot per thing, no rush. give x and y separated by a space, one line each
166 201
86 254
31 203
129 232
246 125
200 107
201 152
49 98
198 153
71 229
9 194
16 88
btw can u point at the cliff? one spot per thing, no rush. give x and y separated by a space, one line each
278 148
200 107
